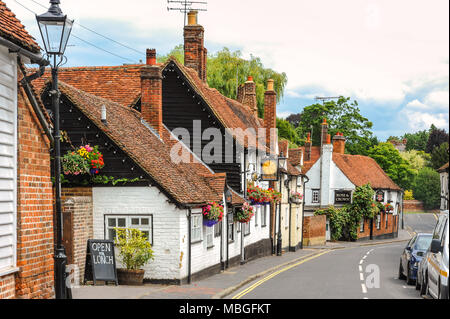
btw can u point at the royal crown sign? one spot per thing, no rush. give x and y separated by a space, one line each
379 196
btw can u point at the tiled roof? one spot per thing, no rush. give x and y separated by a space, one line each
307 165
361 170
12 29
443 168
120 84
186 183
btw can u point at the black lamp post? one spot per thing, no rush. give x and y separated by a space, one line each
55 30
281 164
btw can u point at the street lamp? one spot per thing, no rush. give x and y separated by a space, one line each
281 164
55 30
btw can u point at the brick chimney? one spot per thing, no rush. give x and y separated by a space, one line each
195 54
270 115
249 95
339 143
151 92
308 145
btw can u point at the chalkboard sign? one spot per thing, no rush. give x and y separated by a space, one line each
342 197
100 262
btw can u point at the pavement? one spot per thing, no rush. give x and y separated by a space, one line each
224 283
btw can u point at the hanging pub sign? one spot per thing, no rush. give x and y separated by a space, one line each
269 169
342 197
100 262
379 196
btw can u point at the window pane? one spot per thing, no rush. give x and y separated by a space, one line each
121 222
111 234
145 221
135 221
111 222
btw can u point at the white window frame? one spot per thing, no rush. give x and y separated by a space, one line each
361 226
230 227
286 217
246 227
313 200
128 224
209 235
196 228
257 210
378 221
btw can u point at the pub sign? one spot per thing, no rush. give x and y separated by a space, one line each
379 196
342 197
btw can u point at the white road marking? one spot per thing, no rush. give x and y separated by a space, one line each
360 269
364 257
364 288
361 262
361 276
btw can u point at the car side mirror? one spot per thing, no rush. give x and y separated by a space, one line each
436 246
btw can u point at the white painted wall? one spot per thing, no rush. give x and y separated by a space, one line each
8 160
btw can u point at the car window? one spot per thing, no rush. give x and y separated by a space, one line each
437 230
411 242
423 242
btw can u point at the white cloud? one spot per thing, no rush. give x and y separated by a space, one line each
422 121
438 99
370 50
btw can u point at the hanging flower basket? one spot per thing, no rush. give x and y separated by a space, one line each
85 160
296 198
388 208
212 214
245 214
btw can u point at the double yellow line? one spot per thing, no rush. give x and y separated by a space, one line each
252 287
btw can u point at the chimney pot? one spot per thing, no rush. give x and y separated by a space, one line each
192 17
250 78
270 85
151 56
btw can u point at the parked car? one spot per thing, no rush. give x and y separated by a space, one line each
412 255
421 273
437 264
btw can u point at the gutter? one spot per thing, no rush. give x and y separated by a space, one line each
36 58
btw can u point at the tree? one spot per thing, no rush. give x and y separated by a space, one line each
398 169
439 156
287 131
417 141
427 188
294 119
417 159
437 137
227 70
342 116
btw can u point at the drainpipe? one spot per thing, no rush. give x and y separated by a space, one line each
189 246
303 207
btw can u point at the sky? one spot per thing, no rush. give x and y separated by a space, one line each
390 56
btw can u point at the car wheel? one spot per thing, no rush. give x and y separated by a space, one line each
424 286
400 272
409 281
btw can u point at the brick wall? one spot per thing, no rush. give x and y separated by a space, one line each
7 287
413 205
389 231
34 207
314 230
151 100
78 225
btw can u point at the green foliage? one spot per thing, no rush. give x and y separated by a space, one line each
177 52
416 159
135 249
427 188
73 163
287 131
228 69
439 156
398 169
344 222
342 116
417 141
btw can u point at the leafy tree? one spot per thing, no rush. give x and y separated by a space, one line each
417 159
227 70
437 137
398 169
342 116
287 131
427 188
294 119
417 141
439 156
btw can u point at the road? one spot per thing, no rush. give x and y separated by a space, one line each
368 272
